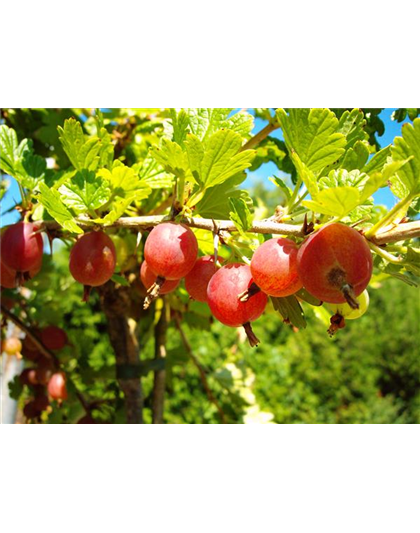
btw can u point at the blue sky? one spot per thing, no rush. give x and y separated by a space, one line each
383 196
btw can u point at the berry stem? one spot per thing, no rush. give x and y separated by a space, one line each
153 292
349 295
390 216
86 293
252 338
251 290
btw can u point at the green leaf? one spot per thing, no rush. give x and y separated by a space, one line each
406 147
204 122
83 153
271 150
280 183
355 156
170 155
342 177
154 175
240 215
241 122
305 174
412 260
313 135
51 200
290 310
195 152
215 202
15 388
34 167
378 161
8 150
124 181
117 210
85 192
120 279
336 201
351 124
221 159
106 150
180 126
304 295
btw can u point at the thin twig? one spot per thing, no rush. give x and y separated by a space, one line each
260 136
401 232
148 222
201 371
43 349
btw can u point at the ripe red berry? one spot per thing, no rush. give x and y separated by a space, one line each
335 264
222 294
30 410
41 402
57 386
29 350
148 278
24 376
7 276
197 280
92 260
21 249
171 250
274 267
53 338
43 375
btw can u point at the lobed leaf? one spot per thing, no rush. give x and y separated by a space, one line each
51 200
313 135
171 157
9 156
407 148
85 191
221 159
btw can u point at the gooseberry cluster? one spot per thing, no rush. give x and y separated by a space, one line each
334 265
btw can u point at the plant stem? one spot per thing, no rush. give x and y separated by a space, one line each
158 397
116 306
384 254
401 232
260 136
389 217
292 199
23 196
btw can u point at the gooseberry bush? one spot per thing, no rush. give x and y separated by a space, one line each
159 237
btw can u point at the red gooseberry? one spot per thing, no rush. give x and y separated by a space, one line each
274 267
335 264
197 280
222 294
92 260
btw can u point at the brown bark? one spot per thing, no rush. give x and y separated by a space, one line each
116 305
158 398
